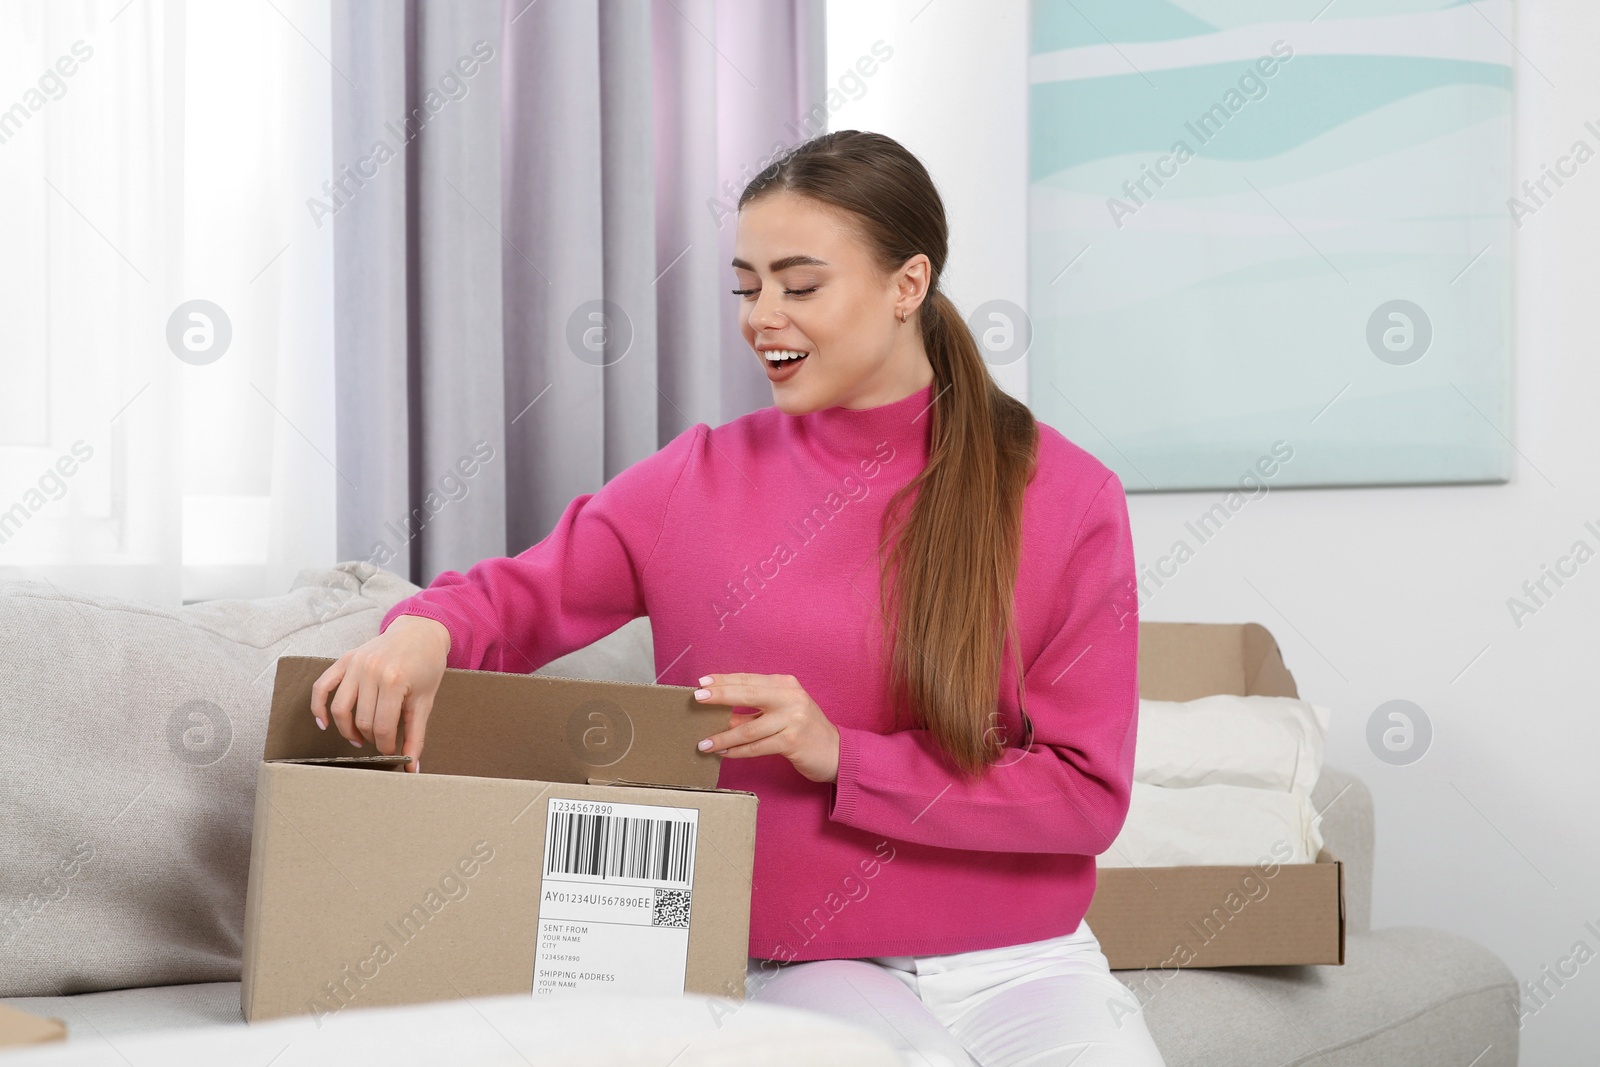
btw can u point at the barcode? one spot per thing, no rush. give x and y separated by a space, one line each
617 846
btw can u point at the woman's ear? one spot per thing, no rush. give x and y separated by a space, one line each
912 281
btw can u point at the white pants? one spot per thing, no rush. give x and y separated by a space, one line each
1051 1002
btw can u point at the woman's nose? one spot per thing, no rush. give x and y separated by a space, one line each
765 315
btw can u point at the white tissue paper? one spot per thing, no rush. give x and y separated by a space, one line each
1270 742
1221 781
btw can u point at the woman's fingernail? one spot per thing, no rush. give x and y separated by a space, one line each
321 725
416 766
701 694
705 744
356 743
706 680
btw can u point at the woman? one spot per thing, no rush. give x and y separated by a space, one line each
847 570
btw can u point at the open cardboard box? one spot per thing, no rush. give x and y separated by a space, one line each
567 836
371 886
1165 917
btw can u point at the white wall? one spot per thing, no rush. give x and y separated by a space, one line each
1373 594
954 92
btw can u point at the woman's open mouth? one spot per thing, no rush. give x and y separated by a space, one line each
782 363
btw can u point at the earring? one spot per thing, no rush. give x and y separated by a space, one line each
903 314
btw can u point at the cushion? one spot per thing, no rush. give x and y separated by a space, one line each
1405 995
131 736
118 1013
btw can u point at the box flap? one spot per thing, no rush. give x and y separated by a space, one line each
523 726
380 762
656 785
1190 660
18 1027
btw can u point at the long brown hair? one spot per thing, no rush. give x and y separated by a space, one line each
953 565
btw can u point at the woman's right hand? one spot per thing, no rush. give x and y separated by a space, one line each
392 679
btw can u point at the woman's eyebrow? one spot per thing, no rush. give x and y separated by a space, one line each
783 264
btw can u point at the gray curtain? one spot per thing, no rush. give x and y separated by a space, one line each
530 295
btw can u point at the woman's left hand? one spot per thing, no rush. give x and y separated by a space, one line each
786 722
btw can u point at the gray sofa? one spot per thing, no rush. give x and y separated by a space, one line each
132 735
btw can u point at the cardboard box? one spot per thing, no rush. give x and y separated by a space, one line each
18 1027
566 835
1270 913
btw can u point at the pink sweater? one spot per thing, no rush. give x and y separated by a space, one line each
752 548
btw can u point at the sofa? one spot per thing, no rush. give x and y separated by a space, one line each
132 734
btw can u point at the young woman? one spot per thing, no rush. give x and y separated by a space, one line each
918 605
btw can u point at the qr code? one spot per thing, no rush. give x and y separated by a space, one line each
672 908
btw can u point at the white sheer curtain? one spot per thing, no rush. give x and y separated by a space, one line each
152 154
